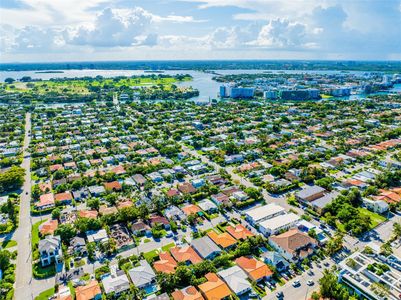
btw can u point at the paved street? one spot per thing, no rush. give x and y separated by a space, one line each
23 234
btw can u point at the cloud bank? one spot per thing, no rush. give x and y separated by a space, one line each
244 28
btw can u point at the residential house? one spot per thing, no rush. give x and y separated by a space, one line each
105 210
276 260
143 275
205 247
239 232
186 188
221 199
63 293
48 227
139 179
174 213
190 209
96 190
97 235
294 245
319 204
310 193
64 198
255 269
90 214
80 194
50 250
231 159
46 201
90 291
185 254
155 219
377 206
116 283
165 264
224 240
187 293
78 246
236 279
207 206
140 228
214 288
113 186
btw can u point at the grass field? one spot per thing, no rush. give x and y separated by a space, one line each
149 256
376 218
35 232
84 87
168 246
35 238
45 295
9 244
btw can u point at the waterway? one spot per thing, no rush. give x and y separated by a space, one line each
208 88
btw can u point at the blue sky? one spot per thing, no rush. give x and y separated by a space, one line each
76 30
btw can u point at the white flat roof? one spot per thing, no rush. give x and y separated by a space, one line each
279 221
264 211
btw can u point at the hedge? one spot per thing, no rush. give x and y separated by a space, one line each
40 272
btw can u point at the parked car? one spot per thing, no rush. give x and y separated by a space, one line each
279 295
296 283
310 273
310 282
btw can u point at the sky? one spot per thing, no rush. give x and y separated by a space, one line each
94 30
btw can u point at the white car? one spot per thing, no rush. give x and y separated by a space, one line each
310 282
296 283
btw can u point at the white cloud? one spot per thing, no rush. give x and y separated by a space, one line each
255 28
177 19
281 33
115 28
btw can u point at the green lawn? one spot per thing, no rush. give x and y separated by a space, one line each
168 246
40 272
9 244
35 232
35 238
45 295
149 256
376 218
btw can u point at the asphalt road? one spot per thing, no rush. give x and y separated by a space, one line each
23 233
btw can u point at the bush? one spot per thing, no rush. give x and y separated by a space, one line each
40 272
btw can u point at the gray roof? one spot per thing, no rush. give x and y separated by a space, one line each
142 275
274 258
115 283
236 279
205 246
97 189
326 199
309 191
49 243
